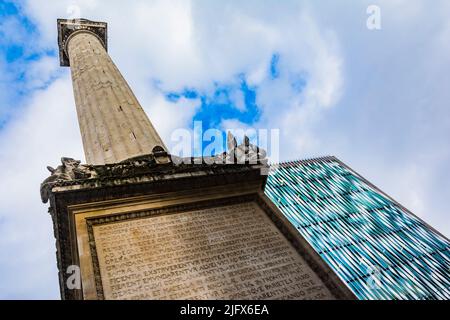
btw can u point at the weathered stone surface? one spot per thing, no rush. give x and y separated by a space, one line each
230 252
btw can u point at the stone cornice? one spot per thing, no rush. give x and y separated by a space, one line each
68 27
154 167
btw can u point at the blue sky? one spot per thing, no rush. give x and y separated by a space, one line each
378 100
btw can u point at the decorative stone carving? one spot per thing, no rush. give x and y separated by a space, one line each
245 153
103 98
70 170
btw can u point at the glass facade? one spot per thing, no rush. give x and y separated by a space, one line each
380 249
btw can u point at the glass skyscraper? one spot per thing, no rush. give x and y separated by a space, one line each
379 248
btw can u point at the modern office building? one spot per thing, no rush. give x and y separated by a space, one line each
375 245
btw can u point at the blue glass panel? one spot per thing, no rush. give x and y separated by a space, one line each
377 247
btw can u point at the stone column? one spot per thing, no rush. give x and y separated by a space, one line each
113 125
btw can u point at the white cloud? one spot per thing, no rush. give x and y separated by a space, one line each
46 131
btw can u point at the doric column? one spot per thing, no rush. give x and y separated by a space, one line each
113 125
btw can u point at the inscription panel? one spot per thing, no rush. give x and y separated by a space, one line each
230 252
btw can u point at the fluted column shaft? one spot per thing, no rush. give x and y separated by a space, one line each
113 125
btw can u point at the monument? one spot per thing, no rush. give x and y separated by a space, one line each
139 223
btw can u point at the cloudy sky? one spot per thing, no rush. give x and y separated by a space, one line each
377 99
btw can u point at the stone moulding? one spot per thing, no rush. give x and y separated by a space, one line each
156 174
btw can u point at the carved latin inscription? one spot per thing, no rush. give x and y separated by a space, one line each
230 252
